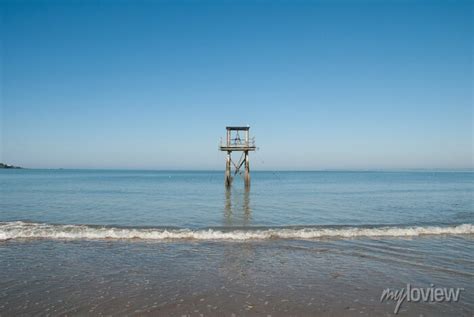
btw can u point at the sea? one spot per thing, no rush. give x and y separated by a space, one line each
130 242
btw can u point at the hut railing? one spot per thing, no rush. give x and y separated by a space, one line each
238 143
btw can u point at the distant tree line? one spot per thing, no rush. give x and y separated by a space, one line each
2 165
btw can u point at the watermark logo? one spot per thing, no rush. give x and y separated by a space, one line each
418 294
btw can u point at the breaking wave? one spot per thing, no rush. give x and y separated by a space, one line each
26 230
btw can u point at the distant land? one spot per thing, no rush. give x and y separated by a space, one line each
2 165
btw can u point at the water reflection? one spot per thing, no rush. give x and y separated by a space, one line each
237 209
236 264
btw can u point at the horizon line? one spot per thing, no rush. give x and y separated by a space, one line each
443 169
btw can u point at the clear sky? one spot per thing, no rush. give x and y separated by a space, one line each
152 85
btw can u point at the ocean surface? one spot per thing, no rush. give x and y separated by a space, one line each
133 242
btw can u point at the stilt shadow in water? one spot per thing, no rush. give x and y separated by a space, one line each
237 208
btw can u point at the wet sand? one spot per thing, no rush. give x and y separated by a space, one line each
259 278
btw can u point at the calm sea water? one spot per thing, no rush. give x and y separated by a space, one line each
199 199
178 243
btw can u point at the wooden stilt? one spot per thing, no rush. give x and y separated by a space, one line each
228 176
247 169
234 143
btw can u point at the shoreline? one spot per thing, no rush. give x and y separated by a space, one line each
259 278
30 230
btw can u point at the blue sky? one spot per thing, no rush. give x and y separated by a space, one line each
152 85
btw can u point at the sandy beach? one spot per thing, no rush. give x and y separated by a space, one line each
276 278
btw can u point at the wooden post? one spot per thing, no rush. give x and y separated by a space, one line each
244 146
247 169
228 177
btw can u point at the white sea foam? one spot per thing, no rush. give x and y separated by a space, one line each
24 230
